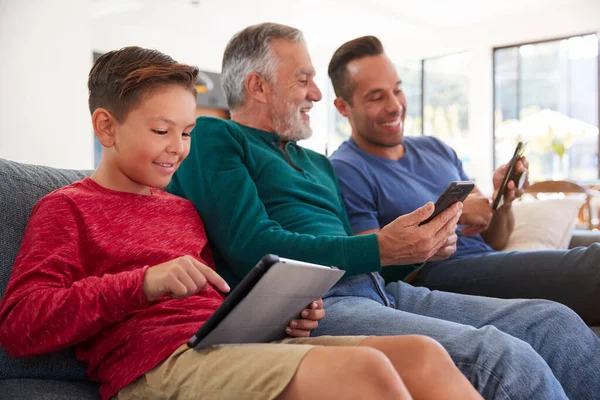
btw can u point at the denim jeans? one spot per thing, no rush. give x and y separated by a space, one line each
568 277
508 349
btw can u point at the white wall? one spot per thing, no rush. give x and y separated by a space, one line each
46 54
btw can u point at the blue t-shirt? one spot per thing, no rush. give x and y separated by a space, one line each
377 190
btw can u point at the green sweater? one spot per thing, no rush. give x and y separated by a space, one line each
255 199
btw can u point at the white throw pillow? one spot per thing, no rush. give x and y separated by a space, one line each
544 224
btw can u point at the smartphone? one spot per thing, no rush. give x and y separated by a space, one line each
511 175
456 191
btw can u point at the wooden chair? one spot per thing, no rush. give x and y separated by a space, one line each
567 187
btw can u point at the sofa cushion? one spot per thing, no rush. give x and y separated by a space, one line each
544 224
47 389
582 237
21 186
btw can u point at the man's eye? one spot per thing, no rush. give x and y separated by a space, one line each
376 98
159 132
304 82
186 134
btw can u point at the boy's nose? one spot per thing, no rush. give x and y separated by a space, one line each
176 146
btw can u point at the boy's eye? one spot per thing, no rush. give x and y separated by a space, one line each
159 132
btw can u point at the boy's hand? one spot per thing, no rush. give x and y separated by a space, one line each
180 278
310 320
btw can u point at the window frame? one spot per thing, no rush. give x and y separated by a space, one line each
519 81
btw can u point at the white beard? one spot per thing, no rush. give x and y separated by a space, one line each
290 126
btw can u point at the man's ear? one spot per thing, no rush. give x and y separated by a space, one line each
342 106
257 87
104 125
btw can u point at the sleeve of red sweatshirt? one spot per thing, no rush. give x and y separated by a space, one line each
51 301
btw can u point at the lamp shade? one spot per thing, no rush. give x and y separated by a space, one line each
204 83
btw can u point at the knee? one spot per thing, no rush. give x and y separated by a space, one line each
507 363
555 318
430 359
429 347
560 313
375 371
372 362
502 351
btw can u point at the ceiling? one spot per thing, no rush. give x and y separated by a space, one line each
196 31
427 13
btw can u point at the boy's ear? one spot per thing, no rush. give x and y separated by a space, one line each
342 106
256 87
104 125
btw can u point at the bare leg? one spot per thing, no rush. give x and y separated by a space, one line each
425 367
345 373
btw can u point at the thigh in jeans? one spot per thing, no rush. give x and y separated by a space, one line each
497 364
555 332
568 277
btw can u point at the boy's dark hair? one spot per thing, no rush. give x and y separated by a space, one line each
353 50
119 78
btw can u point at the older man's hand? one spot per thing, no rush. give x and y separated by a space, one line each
403 241
447 249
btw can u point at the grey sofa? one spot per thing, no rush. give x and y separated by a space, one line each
57 376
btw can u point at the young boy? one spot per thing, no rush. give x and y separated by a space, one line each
123 272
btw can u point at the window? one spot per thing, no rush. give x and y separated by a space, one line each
410 72
340 128
446 86
547 93
437 94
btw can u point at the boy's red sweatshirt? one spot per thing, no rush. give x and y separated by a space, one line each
77 281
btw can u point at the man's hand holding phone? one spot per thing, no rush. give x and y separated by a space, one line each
456 192
477 214
426 232
510 180
512 189
447 249
403 241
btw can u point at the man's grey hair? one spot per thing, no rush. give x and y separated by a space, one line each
250 51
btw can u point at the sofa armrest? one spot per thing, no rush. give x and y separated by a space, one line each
584 238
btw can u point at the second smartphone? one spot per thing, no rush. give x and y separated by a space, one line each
456 191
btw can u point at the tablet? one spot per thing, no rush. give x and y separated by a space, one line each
260 308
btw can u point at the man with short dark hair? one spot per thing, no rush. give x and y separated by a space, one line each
384 175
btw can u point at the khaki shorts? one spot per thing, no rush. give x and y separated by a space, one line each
240 371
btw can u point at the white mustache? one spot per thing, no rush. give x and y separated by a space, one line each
308 105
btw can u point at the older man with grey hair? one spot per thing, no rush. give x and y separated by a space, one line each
259 192
286 114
